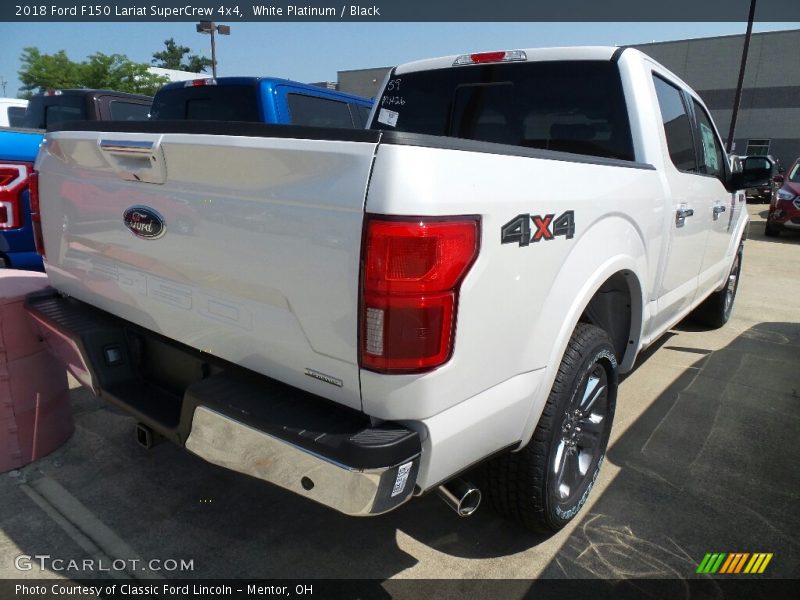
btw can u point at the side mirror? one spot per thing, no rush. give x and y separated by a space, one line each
756 171
778 178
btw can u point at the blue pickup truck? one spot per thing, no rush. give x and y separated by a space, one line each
18 148
260 99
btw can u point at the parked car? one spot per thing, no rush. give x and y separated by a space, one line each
424 300
262 100
763 193
784 210
12 111
18 148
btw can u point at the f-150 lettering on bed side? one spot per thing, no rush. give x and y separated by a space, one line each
361 316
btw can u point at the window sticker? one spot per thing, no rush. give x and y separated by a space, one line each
709 147
388 117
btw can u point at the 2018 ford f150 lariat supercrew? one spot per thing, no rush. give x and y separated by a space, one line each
362 316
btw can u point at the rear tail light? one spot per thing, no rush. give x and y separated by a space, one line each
490 57
412 272
13 181
36 218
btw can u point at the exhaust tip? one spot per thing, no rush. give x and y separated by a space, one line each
463 497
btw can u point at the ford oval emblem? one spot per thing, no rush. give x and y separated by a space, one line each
144 222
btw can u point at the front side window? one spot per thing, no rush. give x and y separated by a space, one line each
711 155
677 125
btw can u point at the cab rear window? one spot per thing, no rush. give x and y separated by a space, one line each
45 111
16 116
569 106
207 103
128 111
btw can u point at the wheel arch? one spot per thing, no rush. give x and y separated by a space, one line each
597 286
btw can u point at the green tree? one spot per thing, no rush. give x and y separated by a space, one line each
40 72
172 57
117 72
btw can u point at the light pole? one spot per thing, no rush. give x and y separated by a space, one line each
211 28
738 96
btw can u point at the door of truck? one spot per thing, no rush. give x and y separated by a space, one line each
722 215
690 201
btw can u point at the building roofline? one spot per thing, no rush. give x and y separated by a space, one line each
713 37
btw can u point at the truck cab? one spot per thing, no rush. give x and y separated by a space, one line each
260 99
57 106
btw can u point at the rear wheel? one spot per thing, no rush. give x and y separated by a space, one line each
546 483
716 310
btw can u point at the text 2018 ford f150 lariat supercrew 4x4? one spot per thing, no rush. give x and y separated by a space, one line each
362 316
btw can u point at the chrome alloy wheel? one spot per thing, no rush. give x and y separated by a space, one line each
582 435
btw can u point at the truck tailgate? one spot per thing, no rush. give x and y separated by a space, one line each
243 242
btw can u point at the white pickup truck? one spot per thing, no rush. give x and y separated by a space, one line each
363 316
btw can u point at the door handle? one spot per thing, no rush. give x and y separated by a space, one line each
127 147
135 160
681 214
718 210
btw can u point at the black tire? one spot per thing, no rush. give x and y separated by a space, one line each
528 486
716 310
771 231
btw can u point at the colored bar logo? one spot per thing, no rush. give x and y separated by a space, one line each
734 563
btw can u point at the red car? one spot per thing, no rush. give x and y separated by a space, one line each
784 209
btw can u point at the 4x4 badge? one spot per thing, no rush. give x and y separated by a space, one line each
547 227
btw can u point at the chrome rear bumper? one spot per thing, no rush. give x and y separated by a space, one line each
235 419
228 443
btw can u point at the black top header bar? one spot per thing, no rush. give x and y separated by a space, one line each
233 11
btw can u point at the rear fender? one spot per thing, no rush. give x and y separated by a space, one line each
624 251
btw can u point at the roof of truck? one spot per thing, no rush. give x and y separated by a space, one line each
89 92
246 80
533 55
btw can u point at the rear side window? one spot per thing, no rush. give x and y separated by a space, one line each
207 103
128 111
677 126
711 155
319 112
16 116
569 106
363 112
